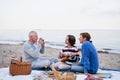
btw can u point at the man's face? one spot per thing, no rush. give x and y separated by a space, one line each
34 37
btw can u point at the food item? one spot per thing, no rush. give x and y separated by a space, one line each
50 73
63 76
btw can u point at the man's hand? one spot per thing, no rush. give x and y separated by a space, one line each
41 41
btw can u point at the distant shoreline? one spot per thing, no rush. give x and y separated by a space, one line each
55 45
21 43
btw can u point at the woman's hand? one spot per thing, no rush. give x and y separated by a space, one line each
88 74
74 54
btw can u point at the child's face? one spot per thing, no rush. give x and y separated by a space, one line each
66 40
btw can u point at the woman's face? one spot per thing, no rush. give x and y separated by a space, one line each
81 39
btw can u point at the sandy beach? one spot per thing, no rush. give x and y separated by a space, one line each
8 51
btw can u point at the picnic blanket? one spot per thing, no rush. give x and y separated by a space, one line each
4 75
103 75
100 75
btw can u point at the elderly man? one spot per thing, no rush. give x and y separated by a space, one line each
32 50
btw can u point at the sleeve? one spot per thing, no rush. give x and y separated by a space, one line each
60 56
32 51
41 48
86 63
76 49
67 53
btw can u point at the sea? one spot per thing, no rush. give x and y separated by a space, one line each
104 40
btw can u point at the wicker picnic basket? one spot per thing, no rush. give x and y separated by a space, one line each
18 67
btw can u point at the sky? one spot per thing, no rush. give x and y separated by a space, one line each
59 14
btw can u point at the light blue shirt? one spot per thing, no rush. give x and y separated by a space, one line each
32 51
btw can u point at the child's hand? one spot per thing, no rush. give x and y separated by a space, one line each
64 59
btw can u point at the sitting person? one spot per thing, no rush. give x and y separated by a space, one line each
32 51
89 62
68 55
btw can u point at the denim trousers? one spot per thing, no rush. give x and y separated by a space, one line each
77 68
40 63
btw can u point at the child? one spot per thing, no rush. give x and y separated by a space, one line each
68 55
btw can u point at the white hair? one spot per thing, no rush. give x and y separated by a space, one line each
32 33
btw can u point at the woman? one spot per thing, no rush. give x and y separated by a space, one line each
89 62
68 55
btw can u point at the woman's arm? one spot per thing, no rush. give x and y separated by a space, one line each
86 56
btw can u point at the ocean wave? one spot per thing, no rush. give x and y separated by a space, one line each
15 42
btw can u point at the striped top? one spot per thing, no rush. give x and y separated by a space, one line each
67 52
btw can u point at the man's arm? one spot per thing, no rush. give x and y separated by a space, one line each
41 44
31 50
42 49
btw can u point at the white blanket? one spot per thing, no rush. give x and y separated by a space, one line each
4 75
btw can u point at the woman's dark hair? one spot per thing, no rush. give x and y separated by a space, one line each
71 39
86 35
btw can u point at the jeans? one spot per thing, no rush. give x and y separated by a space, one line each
40 63
77 68
62 66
